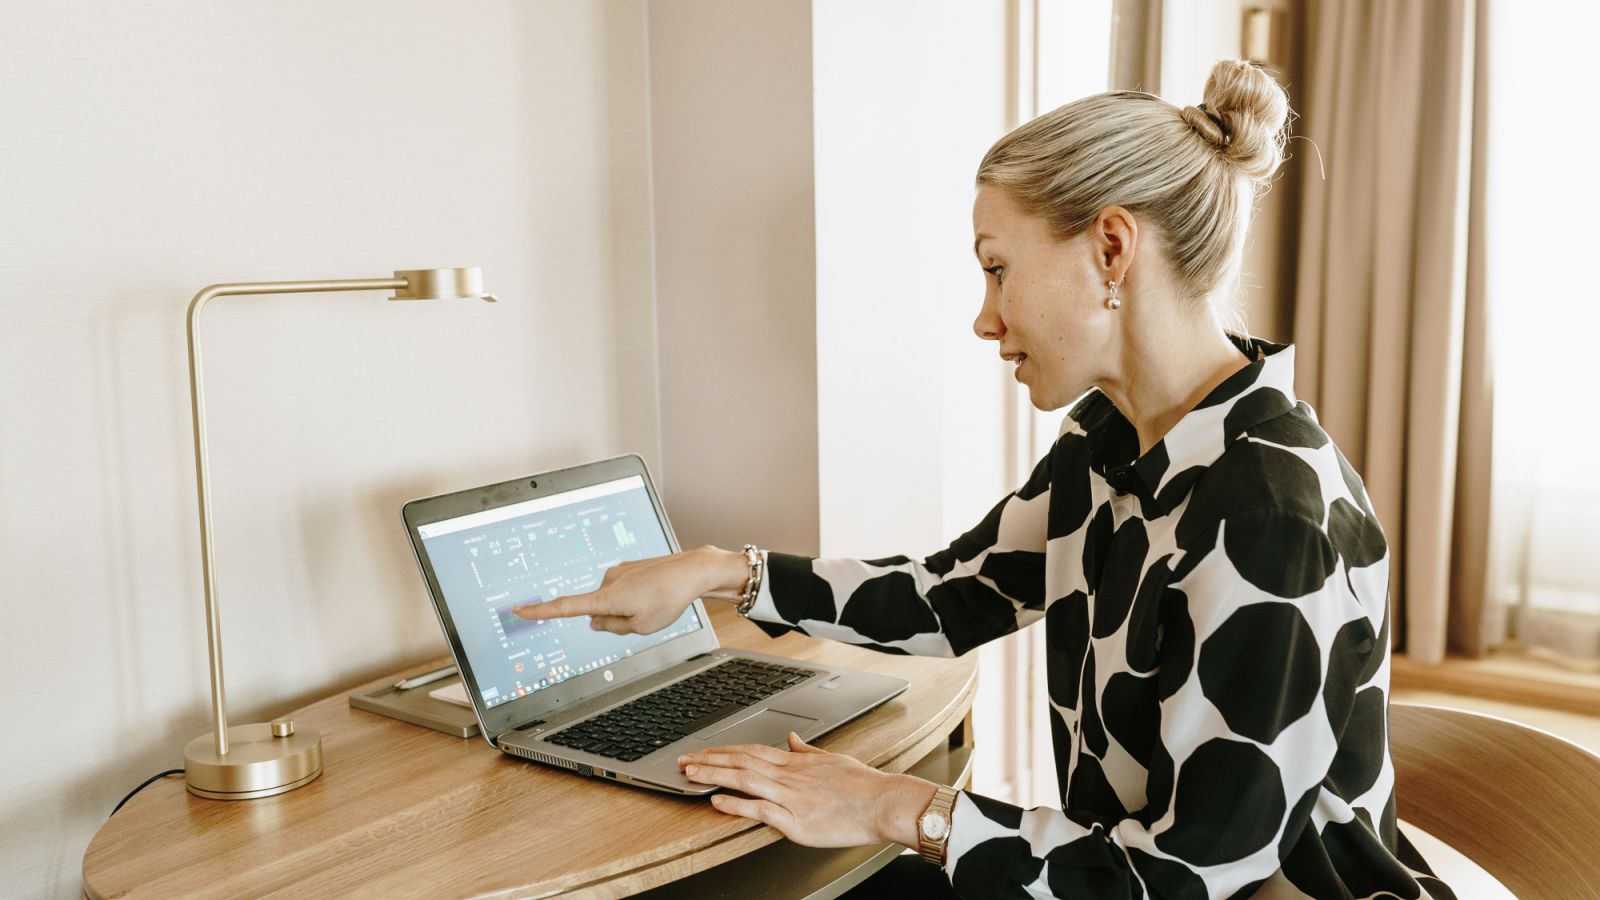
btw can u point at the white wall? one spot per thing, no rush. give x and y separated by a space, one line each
731 150
820 385
911 405
150 149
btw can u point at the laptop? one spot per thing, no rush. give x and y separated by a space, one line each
622 707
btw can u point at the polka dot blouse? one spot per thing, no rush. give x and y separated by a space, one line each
1216 620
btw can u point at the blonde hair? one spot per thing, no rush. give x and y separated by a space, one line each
1192 173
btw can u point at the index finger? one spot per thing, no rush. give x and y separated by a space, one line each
564 607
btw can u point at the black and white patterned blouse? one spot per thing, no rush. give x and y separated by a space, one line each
1216 620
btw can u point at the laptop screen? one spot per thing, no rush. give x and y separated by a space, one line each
491 561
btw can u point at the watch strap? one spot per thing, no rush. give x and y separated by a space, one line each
944 803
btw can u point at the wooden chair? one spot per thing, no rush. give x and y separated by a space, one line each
1522 803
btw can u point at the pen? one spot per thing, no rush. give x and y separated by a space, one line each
425 678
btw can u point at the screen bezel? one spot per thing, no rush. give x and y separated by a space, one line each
497 720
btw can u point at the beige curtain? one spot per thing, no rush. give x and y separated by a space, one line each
1389 313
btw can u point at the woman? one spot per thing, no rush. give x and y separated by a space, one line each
1211 577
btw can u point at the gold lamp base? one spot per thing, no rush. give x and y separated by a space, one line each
262 759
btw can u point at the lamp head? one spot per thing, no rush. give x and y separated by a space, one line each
442 284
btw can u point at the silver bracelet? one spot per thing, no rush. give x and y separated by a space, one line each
745 600
752 585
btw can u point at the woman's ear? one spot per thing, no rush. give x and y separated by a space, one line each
1115 235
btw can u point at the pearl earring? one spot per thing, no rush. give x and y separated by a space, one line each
1113 302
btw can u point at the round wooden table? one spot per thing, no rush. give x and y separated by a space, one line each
402 810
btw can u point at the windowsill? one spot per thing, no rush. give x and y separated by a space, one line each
1507 676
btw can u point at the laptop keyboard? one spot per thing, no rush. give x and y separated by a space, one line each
645 724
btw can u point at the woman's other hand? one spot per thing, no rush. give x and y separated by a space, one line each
644 596
814 797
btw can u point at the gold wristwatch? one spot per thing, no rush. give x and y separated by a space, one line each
933 826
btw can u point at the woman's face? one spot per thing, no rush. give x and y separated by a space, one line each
1043 301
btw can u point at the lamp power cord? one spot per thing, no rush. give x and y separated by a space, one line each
147 782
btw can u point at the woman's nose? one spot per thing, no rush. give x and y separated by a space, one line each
988 325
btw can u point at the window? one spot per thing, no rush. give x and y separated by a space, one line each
1542 197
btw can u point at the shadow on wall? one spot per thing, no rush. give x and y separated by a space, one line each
616 103
136 364
406 610
128 334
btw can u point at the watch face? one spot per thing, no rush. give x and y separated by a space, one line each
934 826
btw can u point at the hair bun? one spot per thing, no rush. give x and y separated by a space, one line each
1251 109
1202 121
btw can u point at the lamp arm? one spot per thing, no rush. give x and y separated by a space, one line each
202 478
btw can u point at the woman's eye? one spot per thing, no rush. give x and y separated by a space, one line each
998 272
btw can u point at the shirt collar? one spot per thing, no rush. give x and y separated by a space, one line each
1162 477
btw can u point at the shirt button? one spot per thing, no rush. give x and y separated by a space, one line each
1120 478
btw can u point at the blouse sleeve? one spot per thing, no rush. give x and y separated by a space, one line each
1241 752
986 584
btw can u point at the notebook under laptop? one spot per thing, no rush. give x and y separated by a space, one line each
622 707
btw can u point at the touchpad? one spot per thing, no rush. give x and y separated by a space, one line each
766 727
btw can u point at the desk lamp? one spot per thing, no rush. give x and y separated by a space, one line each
258 760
